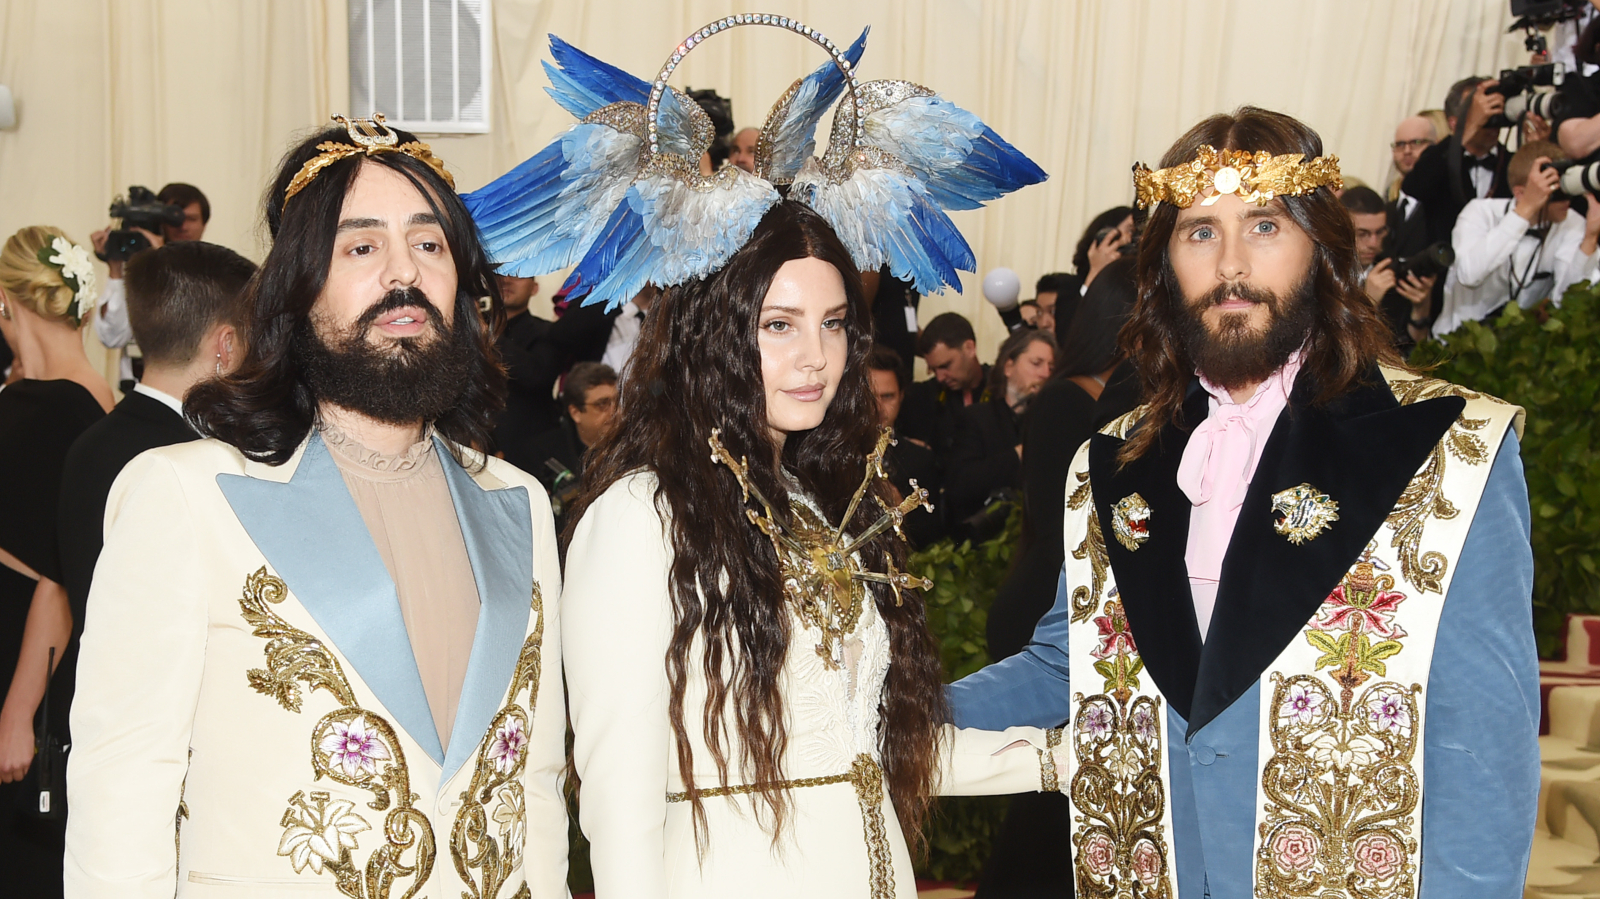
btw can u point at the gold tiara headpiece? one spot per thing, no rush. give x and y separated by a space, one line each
1252 177
372 138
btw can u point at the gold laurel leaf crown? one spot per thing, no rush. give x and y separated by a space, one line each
372 138
1252 177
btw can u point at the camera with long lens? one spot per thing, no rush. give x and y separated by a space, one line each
1429 262
1577 178
1520 87
140 209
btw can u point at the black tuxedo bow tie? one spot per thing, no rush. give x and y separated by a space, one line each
1490 162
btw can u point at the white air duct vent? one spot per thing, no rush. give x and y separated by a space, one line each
424 64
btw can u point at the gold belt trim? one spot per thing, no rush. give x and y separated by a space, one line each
867 777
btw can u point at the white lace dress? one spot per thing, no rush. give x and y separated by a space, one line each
842 840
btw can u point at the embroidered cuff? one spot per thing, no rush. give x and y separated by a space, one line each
1049 781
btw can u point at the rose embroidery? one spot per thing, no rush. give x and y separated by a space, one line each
1360 612
1294 849
1097 854
1302 705
354 747
506 748
1377 855
1147 863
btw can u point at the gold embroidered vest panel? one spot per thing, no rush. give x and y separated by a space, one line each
1340 764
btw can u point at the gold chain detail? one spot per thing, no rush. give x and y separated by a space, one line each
867 777
497 780
1049 778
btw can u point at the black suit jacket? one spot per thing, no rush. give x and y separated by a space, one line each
1429 182
138 423
537 353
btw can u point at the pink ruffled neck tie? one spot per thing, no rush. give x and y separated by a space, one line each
1215 472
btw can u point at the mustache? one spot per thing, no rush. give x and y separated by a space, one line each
400 298
1242 290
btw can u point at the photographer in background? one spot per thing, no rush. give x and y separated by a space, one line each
1577 120
111 322
1444 185
1528 248
590 398
1382 237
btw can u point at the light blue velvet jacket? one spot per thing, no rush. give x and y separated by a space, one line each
1481 751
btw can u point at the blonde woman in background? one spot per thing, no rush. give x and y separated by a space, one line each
46 291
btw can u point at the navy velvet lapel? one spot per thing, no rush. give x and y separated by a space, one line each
1361 450
1153 581
312 535
498 528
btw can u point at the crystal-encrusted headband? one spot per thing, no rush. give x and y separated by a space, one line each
620 195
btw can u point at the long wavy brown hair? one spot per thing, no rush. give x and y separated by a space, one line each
1348 333
266 407
697 367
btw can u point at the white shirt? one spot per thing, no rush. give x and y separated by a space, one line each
161 396
1482 178
111 324
1496 256
1408 205
624 334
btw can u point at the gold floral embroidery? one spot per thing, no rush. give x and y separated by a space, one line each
1424 497
1093 549
350 746
495 793
1121 426
1340 789
1118 799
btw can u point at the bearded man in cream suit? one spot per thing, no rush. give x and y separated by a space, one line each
320 654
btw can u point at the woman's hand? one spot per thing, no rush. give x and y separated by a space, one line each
16 746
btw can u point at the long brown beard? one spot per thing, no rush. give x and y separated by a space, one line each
418 378
1235 355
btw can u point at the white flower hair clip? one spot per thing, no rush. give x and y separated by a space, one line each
77 272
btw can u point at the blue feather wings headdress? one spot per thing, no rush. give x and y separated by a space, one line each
620 196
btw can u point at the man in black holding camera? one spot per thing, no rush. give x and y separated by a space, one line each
1444 184
1383 242
180 212
1528 248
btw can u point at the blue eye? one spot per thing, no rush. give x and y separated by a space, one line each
1203 234
1266 227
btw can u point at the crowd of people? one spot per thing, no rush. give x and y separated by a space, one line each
207 348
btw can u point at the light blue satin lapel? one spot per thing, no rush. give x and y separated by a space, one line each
313 536
498 529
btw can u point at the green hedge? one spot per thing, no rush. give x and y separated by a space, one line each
1545 366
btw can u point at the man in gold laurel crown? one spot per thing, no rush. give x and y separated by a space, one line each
1292 642
321 652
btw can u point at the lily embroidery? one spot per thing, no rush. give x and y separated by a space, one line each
355 747
506 749
319 831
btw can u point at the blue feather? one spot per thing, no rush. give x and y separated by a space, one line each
583 84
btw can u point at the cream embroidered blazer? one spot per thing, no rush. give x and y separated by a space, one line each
249 720
617 619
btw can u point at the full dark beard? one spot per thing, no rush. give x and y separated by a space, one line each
1236 356
410 379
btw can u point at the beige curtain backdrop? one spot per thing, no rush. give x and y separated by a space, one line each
119 92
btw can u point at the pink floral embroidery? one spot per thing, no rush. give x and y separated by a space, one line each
355 747
1115 638
1360 612
1098 853
1387 712
506 749
1301 705
1147 863
1377 855
1144 723
1294 849
1097 720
